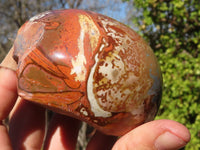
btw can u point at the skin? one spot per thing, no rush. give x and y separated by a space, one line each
27 126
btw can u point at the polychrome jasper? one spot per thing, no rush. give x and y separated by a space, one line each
88 66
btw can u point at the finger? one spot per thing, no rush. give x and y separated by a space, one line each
8 96
62 133
159 134
101 141
27 126
5 143
8 91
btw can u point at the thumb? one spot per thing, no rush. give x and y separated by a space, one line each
155 135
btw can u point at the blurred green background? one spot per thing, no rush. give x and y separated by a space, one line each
171 27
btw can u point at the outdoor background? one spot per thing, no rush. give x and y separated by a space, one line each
171 27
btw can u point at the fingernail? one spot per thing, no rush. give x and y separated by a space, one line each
169 141
5 70
2 68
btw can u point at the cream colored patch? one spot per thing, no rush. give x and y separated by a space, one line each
96 109
87 27
113 68
79 67
84 111
39 16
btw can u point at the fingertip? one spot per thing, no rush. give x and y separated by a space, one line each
8 79
176 128
168 140
154 134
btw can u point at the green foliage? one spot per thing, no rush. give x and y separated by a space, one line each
181 92
173 30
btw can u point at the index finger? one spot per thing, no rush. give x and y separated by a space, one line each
8 96
8 85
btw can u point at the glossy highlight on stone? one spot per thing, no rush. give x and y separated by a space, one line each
90 67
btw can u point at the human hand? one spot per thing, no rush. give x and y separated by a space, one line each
27 126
